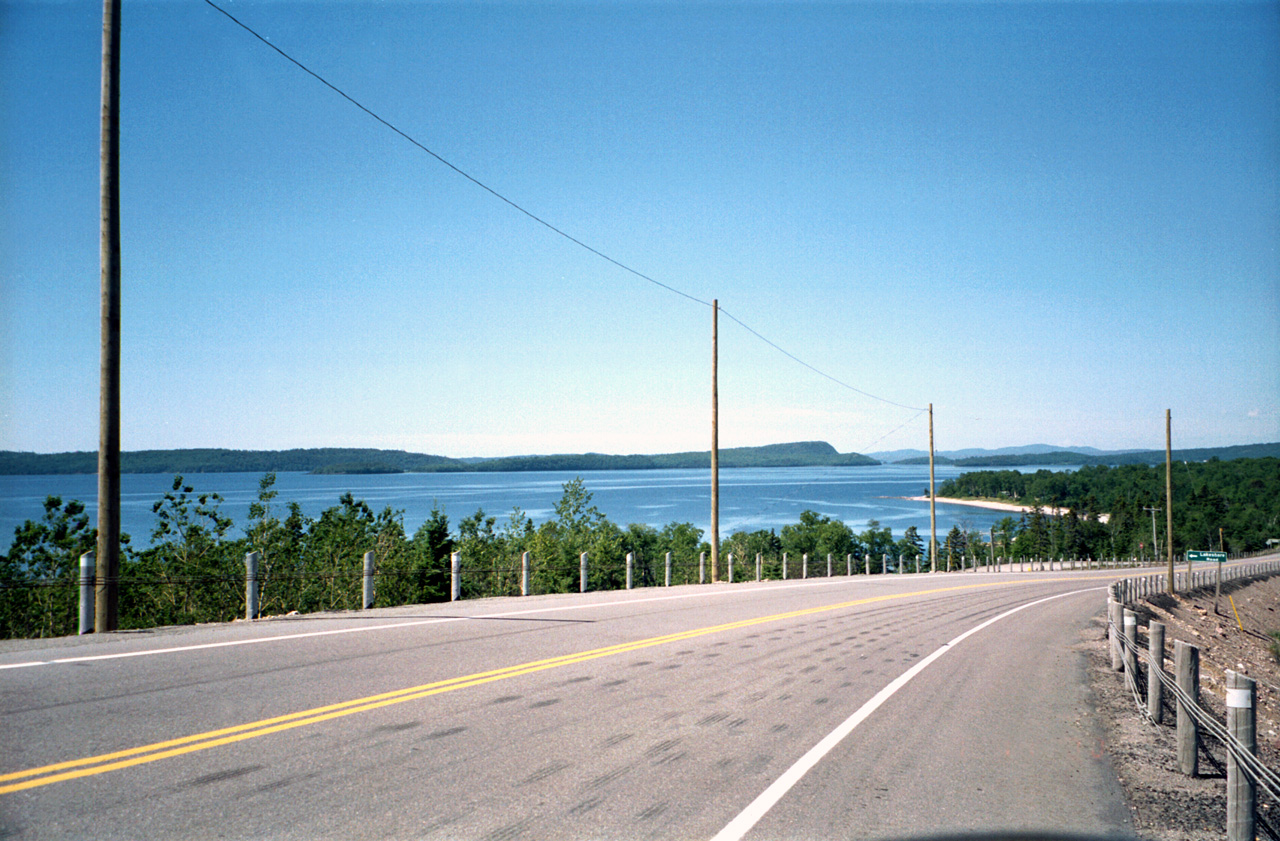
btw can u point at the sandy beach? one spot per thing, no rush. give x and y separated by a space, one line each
992 505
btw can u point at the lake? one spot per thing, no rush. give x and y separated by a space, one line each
750 498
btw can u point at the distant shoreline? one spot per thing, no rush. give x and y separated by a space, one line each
993 505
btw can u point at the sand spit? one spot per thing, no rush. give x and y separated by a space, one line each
993 505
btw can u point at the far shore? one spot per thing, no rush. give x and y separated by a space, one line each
993 505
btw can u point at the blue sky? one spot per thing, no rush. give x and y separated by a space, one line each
1051 220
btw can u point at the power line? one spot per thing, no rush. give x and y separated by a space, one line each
536 218
795 358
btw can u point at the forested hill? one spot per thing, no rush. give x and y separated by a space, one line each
799 454
353 460
1239 496
230 461
1070 458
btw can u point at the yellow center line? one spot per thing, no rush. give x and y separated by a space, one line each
102 763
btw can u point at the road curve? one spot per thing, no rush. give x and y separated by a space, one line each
856 707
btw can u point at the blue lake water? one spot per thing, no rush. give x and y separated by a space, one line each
750 498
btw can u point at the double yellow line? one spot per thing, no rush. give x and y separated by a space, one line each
89 766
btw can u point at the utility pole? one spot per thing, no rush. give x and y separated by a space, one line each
715 442
1155 544
106 592
933 508
1168 492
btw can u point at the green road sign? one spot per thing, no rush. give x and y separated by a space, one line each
1198 555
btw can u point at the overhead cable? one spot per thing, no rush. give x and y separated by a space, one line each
536 218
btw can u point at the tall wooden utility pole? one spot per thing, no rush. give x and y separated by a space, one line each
933 509
106 591
715 442
1168 492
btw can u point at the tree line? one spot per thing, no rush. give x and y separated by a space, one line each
366 460
193 571
1236 502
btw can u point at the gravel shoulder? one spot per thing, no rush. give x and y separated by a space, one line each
1167 805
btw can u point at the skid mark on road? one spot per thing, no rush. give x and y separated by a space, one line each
119 760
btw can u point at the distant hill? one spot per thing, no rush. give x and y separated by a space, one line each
349 460
913 456
1040 454
799 454
229 461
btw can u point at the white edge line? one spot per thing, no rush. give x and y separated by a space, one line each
366 628
750 816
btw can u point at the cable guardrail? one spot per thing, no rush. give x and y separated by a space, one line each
1246 773
1264 776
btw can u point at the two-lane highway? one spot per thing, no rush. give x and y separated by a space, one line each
847 707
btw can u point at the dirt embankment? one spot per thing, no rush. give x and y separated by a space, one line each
1166 804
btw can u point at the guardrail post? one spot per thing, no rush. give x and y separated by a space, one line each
524 573
455 576
668 565
251 584
1187 664
582 573
730 567
88 571
702 567
1130 645
631 562
1115 623
1242 791
848 564
804 565
367 601
784 566
1155 683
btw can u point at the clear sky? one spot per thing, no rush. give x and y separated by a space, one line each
1051 220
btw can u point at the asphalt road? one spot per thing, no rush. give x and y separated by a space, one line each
657 713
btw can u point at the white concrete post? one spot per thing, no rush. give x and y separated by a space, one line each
582 573
702 567
828 565
524 573
631 562
730 567
668 569
866 563
251 584
848 564
1130 641
759 566
455 576
784 566
804 565
367 601
88 573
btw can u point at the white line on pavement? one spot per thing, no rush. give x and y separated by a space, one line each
750 816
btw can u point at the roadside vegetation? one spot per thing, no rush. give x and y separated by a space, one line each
193 569
1240 497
